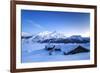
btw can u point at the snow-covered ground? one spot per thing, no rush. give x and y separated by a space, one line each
35 52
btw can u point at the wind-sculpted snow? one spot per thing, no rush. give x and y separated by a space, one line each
46 58
35 52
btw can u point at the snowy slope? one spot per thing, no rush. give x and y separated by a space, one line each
36 53
46 58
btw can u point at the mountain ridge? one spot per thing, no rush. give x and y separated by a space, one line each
55 37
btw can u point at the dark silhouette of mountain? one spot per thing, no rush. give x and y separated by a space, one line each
78 49
66 40
26 37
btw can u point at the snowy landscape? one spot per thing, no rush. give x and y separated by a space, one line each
49 36
54 46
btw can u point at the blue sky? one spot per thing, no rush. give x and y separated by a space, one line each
69 23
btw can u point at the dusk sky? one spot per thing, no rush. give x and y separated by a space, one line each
69 23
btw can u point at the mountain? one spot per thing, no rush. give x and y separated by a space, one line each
54 37
46 35
78 39
25 35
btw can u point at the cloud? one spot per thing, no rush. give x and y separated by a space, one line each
34 24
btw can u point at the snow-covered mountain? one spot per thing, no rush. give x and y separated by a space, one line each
49 35
76 37
25 35
55 37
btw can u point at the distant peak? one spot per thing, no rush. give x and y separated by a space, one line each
25 34
44 33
